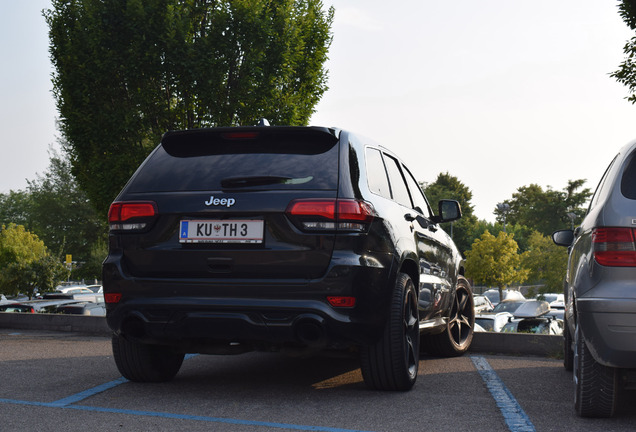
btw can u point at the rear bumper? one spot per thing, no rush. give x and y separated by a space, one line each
609 329
214 315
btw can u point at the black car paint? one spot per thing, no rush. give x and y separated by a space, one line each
199 297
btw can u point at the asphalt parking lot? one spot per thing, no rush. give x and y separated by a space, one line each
55 381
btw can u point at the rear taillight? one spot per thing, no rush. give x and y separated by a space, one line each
130 215
331 214
614 247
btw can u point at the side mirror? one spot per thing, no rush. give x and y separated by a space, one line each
563 237
449 210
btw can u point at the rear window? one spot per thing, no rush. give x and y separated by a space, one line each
211 160
628 182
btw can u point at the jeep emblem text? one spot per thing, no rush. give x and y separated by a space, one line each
227 202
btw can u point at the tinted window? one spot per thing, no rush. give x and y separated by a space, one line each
376 174
628 182
241 167
601 189
398 187
419 202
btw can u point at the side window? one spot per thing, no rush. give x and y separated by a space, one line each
398 187
376 174
419 201
601 189
628 182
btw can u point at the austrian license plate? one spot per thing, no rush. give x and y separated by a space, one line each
221 231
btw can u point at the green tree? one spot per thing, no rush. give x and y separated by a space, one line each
495 261
520 233
26 263
55 209
126 71
626 73
92 267
61 214
546 210
447 186
15 207
546 263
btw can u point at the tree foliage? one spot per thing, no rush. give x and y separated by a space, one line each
61 214
626 72
546 210
26 263
447 186
126 71
54 208
495 261
546 263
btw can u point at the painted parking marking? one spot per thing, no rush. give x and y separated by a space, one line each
87 393
70 401
173 416
514 416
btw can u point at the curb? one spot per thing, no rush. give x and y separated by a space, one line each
518 344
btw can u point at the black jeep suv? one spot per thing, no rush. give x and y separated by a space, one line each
304 239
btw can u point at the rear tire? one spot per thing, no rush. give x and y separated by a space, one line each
145 363
595 385
392 363
458 334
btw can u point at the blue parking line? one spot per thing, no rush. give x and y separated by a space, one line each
87 393
173 416
70 401
213 419
514 416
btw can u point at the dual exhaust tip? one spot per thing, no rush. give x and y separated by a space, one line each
308 329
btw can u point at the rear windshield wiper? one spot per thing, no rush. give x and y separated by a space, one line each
238 182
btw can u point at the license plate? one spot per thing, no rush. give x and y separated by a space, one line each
221 231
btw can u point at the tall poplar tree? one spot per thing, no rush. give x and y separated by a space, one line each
126 71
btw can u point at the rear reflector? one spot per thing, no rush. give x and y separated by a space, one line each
614 247
331 214
341 301
112 298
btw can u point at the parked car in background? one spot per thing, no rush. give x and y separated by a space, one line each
82 308
508 294
600 291
482 304
508 306
492 321
556 301
533 316
35 306
293 239
80 293
95 288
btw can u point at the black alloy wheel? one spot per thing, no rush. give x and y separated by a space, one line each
392 363
458 335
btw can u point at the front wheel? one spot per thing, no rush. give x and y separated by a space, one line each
595 385
458 334
145 363
392 363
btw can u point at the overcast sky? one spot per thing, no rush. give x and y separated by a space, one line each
499 93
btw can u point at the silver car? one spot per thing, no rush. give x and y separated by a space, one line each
600 291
